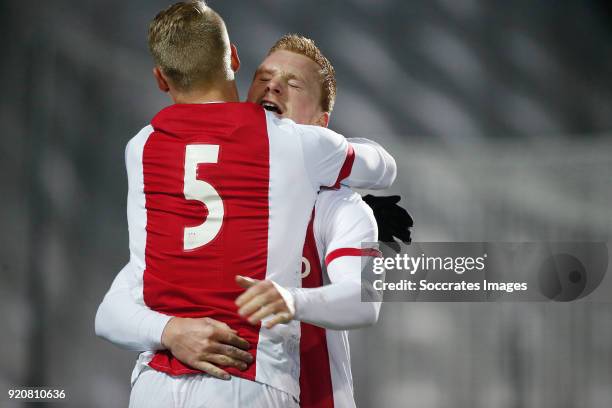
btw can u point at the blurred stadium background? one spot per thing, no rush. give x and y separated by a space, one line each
499 114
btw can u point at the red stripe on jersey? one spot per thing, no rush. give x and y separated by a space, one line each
337 253
316 389
347 166
199 282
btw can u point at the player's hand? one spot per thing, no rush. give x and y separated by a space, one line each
205 344
392 220
262 299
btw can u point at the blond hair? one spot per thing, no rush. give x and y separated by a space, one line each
189 43
307 47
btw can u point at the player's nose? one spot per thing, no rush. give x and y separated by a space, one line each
275 87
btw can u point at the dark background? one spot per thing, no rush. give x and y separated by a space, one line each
499 114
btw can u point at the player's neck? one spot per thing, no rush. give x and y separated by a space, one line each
224 92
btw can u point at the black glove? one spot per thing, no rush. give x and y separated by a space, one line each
392 220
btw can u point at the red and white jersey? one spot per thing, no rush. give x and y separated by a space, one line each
332 254
341 222
217 190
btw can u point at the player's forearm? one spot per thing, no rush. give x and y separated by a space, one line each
373 168
125 322
133 329
335 306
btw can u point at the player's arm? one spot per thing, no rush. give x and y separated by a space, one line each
200 343
331 159
122 317
370 157
342 225
122 320
337 305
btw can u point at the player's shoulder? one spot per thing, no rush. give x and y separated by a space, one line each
140 138
342 215
142 133
135 145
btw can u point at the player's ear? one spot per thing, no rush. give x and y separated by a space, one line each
162 83
235 58
323 120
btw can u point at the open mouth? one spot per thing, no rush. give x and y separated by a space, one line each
272 107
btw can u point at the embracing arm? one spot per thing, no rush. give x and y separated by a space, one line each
338 305
122 320
122 317
202 343
332 159
370 158
342 222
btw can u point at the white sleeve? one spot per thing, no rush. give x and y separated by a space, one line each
338 305
126 322
122 317
374 159
331 159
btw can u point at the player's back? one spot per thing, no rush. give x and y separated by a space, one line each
206 180
218 190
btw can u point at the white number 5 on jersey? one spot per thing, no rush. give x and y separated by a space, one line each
195 237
